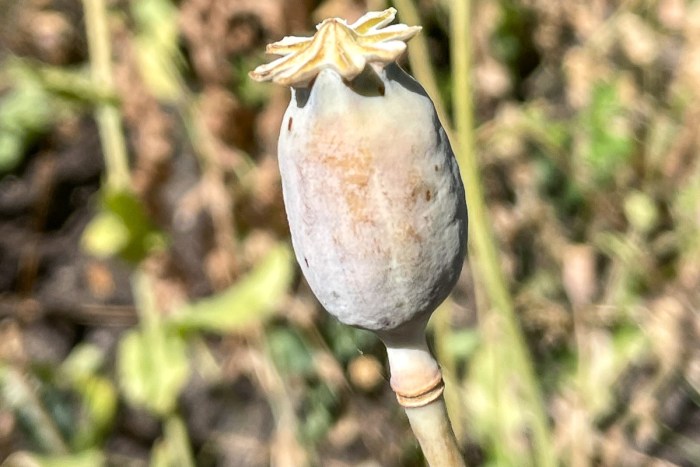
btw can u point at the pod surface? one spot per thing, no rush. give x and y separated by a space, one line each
374 198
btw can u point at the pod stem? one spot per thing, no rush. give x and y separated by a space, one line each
432 428
417 381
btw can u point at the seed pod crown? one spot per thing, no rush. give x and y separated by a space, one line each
337 45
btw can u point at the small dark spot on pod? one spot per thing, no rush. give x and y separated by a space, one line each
289 124
306 261
428 195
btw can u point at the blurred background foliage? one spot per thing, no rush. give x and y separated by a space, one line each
155 316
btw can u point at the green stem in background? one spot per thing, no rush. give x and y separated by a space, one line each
106 114
419 58
485 251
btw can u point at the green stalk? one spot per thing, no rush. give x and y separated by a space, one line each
419 58
484 249
106 113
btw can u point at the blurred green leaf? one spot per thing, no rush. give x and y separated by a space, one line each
174 449
11 150
25 112
289 352
347 342
105 235
461 344
71 85
152 361
98 395
61 84
496 414
551 134
641 211
318 417
251 92
25 109
629 342
250 300
100 403
122 227
83 361
153 368
609 137
618 246
511 40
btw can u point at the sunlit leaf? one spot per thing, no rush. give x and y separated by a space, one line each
122 227
641 211
461 344
25 109
152 369
152 361
98 394
99 397
11 149
250 300
318 418
174 449
289 352
105 235
609 135
25 112
83 361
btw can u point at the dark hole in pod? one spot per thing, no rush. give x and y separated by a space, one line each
289 124
301 94
368 83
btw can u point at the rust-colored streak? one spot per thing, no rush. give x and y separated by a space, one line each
418 190
411 233
289 124
354 172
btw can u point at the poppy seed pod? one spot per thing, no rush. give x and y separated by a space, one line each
374 199
372 190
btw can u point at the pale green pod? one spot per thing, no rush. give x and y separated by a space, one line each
372 190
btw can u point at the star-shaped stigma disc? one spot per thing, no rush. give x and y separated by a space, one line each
338 46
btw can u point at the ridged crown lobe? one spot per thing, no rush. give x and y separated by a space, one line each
345 48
